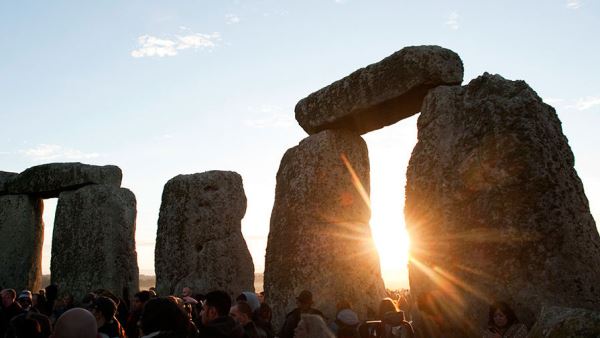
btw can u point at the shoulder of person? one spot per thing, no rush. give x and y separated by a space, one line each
316 312
517 330
294 312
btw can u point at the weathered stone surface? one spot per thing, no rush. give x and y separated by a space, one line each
49 180
494 207
382 93
22 230
5 176
320 239
93 244
199 240
560 322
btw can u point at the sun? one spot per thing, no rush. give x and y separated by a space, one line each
393 244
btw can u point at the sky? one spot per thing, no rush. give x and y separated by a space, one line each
161 88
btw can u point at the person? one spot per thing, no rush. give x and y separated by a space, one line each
76 323
405 304
104 310
10 309
43 321
38 301
186 292
131 325
161 316
312 326
304 302
261 296
215 319
346 321
25 300
51 292
23 327
62 305
394 324
386 305
262 318
153 292
122 309
241 312
251 298
503 323
376 327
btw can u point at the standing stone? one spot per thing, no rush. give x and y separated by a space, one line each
494 207
93 244
5 176
49 180
199 240
380 94
22 230
320 239
560 322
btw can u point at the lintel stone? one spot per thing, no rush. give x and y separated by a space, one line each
382 93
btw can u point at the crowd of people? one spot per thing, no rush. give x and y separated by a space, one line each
101 314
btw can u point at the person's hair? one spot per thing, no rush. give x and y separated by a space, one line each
386 305
143 296
88 299
40 300
51 292
511 318
244 307
162 314
220 300
315 326
75 323
108 294
21 326
105 306
11 292
44 322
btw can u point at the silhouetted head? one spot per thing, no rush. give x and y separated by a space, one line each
8 297
304 299
241 313
51 292
386 305
22 326
217 304
76 323
249 297
162 314
186 292
104 307
139 299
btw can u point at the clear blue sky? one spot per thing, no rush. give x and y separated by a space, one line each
162 88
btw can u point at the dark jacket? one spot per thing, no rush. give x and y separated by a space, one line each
112 329
131 325
292 319
6 314
251 330
222 327
265 326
